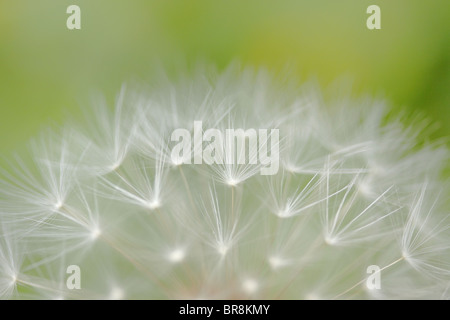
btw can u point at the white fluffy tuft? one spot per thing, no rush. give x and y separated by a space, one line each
353 190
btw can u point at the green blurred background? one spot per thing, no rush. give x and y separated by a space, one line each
47 71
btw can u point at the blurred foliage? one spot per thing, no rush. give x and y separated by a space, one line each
48 71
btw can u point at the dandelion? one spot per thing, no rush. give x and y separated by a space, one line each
352 189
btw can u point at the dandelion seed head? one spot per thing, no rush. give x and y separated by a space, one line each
116 294
58 205
177 161
222 249
154 204
13 279
405 255
283 213
176 255
352 186
95 233
330 240
365 188
250 286
276 262
115 166
312 296
232 182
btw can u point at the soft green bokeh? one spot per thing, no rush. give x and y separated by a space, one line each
47 71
